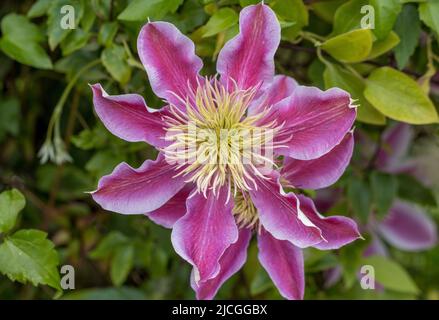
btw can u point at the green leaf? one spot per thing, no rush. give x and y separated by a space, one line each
74 41
359 198
408 28
106 33
348 16
326 9
39 8
382 46
141 10
20 28
121 264
399 97
20 41
11 203
28 255
9 117
391 275
29 53
384 188
103 162
293 11
354 46
336 76
115 62
429 14
109 244
222 20
386 13
55 32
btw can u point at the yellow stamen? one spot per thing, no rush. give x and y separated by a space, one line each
214 143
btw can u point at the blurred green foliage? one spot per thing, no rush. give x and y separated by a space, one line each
46 107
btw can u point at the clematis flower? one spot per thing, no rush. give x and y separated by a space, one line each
209 183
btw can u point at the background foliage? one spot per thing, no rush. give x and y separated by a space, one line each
53 149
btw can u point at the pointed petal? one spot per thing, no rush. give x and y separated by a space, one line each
281 88
280 215
205 232
321 172
127 117
231 262
314 121
248 58
409 228
284 264
336 230
136 191
170 61
172 210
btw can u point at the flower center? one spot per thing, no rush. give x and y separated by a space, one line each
214 142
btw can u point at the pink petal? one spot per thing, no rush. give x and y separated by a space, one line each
202 236
231 262
321 172
279 214
127 117
248 58
281 88
336 230
136 191
408 228
284 263
170 61
314 121
396 142
172 210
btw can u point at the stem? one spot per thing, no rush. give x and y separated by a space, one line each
69 131
59 106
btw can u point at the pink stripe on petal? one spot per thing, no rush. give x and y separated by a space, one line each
315 121
249 57
231 262
284 264
336 230
170 61
136 191
321 172
172 210
281 88
128 117
409 228
279 214
205 232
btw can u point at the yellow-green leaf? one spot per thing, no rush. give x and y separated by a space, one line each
11 203
391 275
354 46
382 46
222 20
399 97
